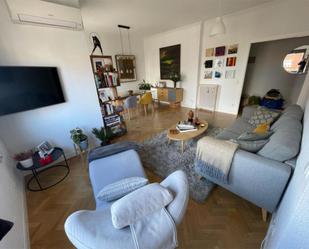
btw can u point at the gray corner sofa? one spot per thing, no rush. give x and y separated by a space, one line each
262 177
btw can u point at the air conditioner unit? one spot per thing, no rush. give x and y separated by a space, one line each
45 13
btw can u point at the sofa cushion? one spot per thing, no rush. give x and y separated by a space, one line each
121 188
251 146
235 130
294 111
252 136
139 203
286 123
263 115
284 144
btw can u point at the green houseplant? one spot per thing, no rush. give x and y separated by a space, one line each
144 86
175 78
103 134
79 138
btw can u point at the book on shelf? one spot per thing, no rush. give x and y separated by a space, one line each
107 109
110 79
112 120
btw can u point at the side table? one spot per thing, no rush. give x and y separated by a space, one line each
37 169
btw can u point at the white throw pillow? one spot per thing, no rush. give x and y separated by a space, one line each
121 188
139 203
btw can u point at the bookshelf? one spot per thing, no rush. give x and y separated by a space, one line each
106 81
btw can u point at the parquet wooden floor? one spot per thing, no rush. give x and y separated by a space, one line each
224 221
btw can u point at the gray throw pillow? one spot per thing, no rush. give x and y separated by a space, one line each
263 115
253 136
121 188
251 146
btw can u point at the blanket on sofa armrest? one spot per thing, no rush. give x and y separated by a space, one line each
109 150
214 157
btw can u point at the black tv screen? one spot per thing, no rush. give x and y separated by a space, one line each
26 88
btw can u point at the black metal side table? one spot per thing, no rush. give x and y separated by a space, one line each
37 169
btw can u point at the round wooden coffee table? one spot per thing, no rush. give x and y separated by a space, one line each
184 136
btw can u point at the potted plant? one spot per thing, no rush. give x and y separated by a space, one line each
25 158
175 78
103 134
79 138
144 86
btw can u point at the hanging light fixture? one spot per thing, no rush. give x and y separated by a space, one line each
219 27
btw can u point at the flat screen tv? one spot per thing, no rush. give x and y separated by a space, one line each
26 88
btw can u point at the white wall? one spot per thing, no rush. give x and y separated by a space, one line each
189 38
13 204
276 20
112 46
267 72
27 45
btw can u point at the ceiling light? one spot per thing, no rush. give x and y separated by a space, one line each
219 26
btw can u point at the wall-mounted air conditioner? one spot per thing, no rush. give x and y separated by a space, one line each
45 13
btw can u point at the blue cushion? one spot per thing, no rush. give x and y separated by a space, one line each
121 188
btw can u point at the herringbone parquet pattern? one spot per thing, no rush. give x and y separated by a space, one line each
224 221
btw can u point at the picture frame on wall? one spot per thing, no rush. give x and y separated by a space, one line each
170 62
231 61
218 74
233 49
208 74
219 63
208 63
126 66
98 62
209 52
220 51
230 74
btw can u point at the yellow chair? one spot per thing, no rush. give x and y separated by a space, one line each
145 100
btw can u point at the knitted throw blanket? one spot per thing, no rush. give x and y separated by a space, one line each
214 157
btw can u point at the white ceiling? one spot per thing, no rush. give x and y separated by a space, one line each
153 16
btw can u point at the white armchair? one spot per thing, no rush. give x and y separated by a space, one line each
94 229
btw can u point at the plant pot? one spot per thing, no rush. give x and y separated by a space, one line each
27 163
83 145
104 143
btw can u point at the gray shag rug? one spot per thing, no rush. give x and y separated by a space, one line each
163 159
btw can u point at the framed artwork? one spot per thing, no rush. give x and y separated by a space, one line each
45 148
126 66
220 51
231 61
219 62
208 63
209 52
101 61
233 49
208 74
170 62
218 74
230 74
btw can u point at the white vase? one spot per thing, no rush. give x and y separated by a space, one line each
27 163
